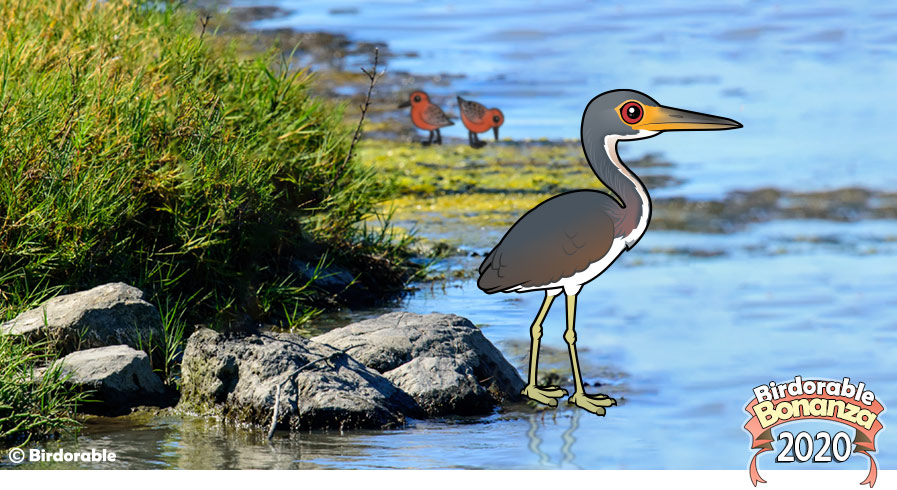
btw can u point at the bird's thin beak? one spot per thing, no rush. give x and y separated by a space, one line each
405 104
495 130
671 119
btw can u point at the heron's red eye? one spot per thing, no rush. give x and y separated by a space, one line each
632 112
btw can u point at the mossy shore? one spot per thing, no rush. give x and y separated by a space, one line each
466 196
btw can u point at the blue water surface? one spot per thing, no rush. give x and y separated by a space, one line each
812 82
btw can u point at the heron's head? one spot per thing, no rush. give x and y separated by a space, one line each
496 119
416 98
633 115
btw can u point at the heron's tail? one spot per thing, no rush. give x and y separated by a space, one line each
490 281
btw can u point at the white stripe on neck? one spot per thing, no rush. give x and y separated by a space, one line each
610 147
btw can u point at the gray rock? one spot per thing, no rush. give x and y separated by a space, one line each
111 314
119 376
442 385
236 376
443 361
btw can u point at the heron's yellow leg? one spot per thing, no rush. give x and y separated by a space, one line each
547 395
591 403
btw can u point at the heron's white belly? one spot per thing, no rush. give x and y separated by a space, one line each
571 285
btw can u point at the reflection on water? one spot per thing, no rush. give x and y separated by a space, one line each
567 456
535 442
569 437
142 442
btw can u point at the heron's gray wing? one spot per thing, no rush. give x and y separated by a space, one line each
434 115
556 239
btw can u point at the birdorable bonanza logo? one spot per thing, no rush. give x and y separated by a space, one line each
814 399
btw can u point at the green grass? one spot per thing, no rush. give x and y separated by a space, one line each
32 406
133 149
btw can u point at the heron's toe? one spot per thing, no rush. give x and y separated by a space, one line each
592 403
546 395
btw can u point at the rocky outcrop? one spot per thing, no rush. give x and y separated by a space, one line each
372 374
111 314
237 375
117 377
443 361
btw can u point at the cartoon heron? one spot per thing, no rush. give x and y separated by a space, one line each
426 115
478 119
570 239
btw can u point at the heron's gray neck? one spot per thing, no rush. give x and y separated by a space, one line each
616 176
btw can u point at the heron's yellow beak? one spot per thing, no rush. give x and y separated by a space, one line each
670 119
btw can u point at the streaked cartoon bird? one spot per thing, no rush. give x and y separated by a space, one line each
478 119
570 239
426 115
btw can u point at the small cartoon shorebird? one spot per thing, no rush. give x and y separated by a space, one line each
570 239
478 119
426 115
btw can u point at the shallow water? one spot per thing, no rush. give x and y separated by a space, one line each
679 335
810 83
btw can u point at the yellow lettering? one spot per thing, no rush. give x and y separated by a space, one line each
818 406
835 404
850 413
865 419
766 413
801 407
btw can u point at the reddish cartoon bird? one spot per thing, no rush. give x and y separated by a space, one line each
478 119
427 115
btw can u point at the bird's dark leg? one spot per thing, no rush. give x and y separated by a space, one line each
470 135
438 137
591 403
545 394
429 141
477 142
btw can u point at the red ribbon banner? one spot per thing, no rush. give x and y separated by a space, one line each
845 410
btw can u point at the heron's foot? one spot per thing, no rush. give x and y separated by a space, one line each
478 144
592 403
546 395
426 143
